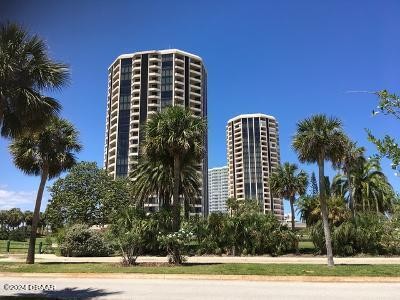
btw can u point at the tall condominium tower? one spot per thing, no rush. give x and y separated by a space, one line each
141 84
253 154
217 189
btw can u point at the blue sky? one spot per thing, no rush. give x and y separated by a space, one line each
289 59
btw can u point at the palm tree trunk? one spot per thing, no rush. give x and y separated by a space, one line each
291 200
324 212
176 202
30 259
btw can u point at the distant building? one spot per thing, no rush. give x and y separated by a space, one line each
217 189
253 154
141 84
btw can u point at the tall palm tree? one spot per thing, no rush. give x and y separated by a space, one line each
46 154
25 72
175 132
318 139
286 183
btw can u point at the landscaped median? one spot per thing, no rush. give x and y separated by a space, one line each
208 269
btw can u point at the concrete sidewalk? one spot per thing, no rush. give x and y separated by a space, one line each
216 259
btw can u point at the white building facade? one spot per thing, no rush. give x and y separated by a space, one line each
218 189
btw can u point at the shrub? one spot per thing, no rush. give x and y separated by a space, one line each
344 239
176 243
48 245
360 235
3 234
18 234
317 237
369 230
80 240
131 233
390 240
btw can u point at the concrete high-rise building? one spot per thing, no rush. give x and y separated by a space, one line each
141 84
253 154
217 189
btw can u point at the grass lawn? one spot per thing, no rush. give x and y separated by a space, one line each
19 247
217 269
306 247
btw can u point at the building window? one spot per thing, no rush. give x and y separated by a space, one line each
166 80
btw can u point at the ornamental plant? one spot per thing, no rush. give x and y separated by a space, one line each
176 245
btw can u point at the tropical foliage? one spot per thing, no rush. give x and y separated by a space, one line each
173 148
47 154
367 185
318 139
15 224
26 71
132 233
286 183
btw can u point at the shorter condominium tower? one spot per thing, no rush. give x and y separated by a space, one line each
218 189
253 154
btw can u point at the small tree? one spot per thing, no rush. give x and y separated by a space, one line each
285 182
87 195
47 153
130 233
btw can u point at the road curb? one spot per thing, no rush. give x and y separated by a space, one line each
206 277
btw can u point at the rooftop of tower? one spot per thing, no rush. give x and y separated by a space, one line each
257 115
164 51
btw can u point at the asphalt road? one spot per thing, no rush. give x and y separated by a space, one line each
123 288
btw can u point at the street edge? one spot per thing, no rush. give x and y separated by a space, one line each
205 277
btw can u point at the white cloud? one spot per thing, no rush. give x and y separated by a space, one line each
21 199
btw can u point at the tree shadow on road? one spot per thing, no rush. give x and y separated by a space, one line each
67 293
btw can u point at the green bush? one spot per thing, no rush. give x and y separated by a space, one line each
3 234
364 234
80 240
18 235
390 240
344 239
369 231
245 233
131 234
48 246
318 237
176 244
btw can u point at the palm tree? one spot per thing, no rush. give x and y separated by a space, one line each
317 139
25 72
46 153
154 178
175 133
286 182
352 158
368 186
